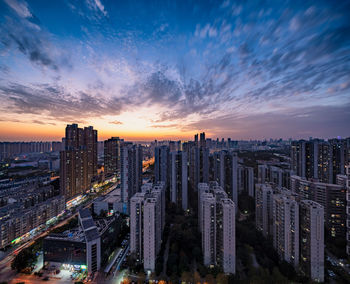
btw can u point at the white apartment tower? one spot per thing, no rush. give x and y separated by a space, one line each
217 224
312 240
147 221
286 228
264 208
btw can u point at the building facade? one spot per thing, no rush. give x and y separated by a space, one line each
286 228
179 179
217 213
112 156
147 220
78 162
312 240
130 172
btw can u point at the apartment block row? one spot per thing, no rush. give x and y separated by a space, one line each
193 165
18 219
11 149
319 159
331 196
296 227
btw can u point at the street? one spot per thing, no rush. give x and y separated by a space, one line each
7 274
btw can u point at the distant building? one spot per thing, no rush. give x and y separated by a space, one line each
162 163
217 225
319 159
112 156
198 157
274 174
147 220
246 180
226 172
179 179
312 240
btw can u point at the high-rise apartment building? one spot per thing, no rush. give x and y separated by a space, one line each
347 173
331 196
264 209
179 179
162 164
246 180
198 165
286 228
312 239
112 156
130 172
272 173
147 219
226 172
217 213
319 159
78 163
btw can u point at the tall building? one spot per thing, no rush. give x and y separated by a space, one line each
246 180
198 165
78 163
347 173
130 172
202 140
312 239
286 228
319 159
273 173
147 219
179 179
226 172
112 156
217 213
264 209
331 196
161 164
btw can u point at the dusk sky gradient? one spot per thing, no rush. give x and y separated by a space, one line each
168 69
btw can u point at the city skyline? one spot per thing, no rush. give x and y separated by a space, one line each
165 70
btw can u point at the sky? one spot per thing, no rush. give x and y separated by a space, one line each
147 70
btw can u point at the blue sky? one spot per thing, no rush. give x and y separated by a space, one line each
166 69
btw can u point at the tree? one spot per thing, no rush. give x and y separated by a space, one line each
141 277
221 278
196 277
186 277
131 261
25 258
209 278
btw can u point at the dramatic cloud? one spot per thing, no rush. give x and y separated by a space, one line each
234 68
55 103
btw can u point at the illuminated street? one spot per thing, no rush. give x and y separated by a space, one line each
7 273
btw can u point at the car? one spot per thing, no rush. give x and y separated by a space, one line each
331 273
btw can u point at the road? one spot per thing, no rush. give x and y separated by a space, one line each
6 273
